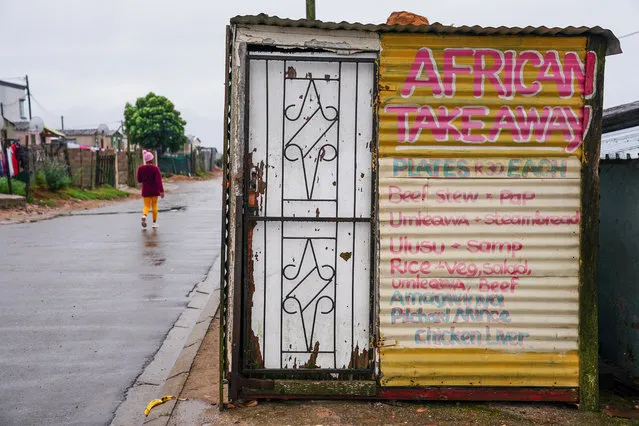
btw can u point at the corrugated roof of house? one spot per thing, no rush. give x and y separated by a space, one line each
614 46
21 125
86 132
620 140
621 117
621 144
13 85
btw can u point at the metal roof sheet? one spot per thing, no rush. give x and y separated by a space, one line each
614 46
621 117
54 132
79 132
620 144
86 132
13 85
21 125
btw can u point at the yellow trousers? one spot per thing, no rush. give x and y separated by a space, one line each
151 203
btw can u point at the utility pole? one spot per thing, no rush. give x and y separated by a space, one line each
29 94
310 11
4 147
62 122
121 135
27 169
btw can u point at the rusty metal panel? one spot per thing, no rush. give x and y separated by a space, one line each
479 209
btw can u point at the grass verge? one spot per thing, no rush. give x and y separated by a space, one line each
48 198
19 187
104 193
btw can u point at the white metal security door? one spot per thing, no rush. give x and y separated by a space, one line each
307 219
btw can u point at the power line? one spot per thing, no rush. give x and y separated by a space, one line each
56 116
41 106
629 34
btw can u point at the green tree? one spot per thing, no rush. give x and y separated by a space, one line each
153 122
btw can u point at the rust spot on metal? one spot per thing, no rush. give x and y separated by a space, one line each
257 185
359 359
309 75
317 212
312 362
253 352
261 184
327 76
346 255
322 154
291 72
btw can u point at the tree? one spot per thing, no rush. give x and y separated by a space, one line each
153 122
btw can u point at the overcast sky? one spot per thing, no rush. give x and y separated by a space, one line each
87 58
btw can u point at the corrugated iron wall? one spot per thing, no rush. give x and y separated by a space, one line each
479 209
618 268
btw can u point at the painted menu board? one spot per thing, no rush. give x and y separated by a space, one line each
479 209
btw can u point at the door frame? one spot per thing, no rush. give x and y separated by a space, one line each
263 378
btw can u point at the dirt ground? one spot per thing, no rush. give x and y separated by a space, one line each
36 212
202 385
203 380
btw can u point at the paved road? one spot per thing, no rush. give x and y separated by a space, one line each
86 301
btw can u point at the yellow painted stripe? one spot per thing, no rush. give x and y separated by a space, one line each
477 367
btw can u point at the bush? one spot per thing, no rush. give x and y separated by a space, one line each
41 180
19 187
56 176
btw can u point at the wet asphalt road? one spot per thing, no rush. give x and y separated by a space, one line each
86 301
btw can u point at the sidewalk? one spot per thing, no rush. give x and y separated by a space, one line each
200 394
170 368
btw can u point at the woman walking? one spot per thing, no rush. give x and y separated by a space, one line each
150 177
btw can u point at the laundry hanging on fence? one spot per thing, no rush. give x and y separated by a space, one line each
20 155
13 160
10 163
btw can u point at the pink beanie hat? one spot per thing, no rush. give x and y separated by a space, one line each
147 156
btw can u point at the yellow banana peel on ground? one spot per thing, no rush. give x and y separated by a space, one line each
159 401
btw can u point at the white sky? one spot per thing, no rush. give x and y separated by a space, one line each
87 58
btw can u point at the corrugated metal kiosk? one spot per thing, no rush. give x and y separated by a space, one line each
411 211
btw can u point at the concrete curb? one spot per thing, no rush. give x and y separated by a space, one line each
8 201
176 379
